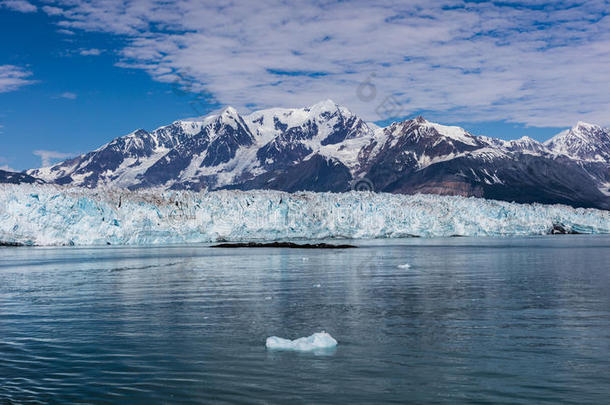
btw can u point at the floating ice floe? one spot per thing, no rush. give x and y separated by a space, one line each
51 215
404 266
317 341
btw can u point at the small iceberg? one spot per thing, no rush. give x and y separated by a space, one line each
404 266
315 342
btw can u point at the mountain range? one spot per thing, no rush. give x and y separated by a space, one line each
326 147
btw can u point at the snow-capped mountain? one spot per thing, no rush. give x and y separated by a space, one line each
325 147
583 142
589 146
218 150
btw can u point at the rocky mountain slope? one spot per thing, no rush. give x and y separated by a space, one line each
9 177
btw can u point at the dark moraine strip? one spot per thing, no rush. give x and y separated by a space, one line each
10 244
283 245
559 229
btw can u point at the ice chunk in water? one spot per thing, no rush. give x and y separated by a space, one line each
404 266
317 341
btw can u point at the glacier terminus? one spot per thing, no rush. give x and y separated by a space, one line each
52 215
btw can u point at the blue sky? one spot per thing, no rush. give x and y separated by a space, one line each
75 73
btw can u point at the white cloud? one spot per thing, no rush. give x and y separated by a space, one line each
52 11
90 52
48 157
65 32
68 95
13 77
534 62
21 6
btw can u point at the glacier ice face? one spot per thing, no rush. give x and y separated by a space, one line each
52 215
317 341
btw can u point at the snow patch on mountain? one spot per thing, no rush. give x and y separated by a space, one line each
455 133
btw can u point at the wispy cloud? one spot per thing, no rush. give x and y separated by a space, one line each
21 6
48 157
90 52
13 77
65 32
68 95
533 62
52 11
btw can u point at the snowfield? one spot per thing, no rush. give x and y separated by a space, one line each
52 215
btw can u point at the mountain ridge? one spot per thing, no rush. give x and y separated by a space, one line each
273 147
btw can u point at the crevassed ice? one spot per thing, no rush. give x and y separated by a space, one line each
50 215
317 341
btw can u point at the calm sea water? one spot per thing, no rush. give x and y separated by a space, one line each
473 320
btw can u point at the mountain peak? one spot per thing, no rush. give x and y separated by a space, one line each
527 140
139 132
324 106
227 116
586 132
455 133
224 112
525 144
584 141
585 125
228 112
328 103
420 120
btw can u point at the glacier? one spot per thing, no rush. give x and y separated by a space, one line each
43 215
317 341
